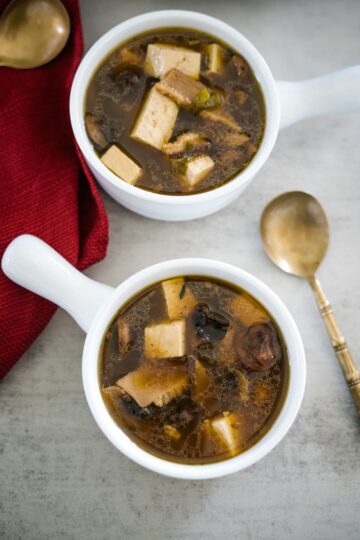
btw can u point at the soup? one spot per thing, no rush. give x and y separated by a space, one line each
175 111
194 370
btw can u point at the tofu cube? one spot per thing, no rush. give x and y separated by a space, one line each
178 304
160 58
154 383
215 58
120 164
227 430
156 120
165 340
196 170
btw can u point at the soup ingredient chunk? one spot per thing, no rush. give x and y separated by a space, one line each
257 347
227 428
209 325
179 299
120 164
124 335
240 66
200 382
243 383
114 393
215 54
221 116
154 383
93 129
156 120
187 144
165 340
196 169
172 432
132 56
161 58
180 87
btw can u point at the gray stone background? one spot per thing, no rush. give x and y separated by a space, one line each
60 478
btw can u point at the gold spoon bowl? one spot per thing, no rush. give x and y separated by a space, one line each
295 234
32 33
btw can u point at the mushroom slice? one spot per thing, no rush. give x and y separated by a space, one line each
187 144
258 347
241 66
221 116
93 129
124 335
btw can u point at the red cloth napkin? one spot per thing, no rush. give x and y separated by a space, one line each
45 187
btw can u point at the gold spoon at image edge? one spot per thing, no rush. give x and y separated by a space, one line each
32 32
295 234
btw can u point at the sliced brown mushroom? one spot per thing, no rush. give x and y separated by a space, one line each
124 335
93 129
241 66
257 347
187 144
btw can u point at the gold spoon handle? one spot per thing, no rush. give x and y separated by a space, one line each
350 371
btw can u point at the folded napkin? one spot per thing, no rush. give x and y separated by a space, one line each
46 188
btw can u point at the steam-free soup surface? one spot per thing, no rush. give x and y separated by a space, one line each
194 370
170 123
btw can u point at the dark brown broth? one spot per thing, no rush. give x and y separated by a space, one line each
115 109
266 392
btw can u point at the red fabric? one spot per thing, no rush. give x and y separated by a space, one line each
44 189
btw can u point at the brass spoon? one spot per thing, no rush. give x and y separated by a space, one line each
32 32
295 234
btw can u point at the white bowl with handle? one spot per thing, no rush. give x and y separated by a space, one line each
36 266
285 103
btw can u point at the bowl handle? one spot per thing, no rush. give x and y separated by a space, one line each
35 265
335 92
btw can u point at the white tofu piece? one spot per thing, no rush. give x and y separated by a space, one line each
215 58
177 307
154 383
120 164
227 429
165 340
156 120
196 170
160 58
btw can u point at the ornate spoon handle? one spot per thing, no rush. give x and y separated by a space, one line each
350 371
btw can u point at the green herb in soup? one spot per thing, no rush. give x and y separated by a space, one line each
194 370
175 111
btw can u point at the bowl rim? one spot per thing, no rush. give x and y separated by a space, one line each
217 270
182 19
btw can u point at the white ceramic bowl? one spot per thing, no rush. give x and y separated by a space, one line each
285 103
33 264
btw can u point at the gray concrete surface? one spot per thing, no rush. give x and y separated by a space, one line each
60 478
